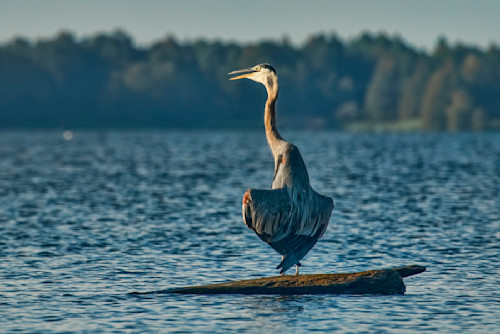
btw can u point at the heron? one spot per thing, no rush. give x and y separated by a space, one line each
291 217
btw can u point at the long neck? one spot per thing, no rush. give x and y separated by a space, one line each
273 137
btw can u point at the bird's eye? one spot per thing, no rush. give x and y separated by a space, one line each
258 68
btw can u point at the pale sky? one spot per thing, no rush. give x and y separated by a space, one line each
419 22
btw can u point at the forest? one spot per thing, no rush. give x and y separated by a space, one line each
371 82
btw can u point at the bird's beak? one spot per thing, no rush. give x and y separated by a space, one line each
251 70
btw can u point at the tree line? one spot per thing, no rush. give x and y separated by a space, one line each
107 81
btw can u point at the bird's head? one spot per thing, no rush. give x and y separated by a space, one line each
262 73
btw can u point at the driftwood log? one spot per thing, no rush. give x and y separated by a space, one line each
380 282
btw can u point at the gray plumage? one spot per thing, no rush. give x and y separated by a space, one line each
291 217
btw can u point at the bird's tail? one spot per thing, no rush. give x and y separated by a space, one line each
288 261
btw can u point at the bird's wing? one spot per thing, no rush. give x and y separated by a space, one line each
302 238
315 217
267 212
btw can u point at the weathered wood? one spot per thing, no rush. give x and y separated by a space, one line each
381 281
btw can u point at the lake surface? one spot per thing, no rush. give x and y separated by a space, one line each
85 223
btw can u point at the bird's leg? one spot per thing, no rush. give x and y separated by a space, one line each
282 258
297 268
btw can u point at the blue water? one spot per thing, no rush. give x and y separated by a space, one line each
87 222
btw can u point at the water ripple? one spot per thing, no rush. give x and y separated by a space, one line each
87 222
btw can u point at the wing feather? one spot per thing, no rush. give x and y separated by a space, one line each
291 229
297 244
267 212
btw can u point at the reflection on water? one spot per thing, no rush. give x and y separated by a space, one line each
86 222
